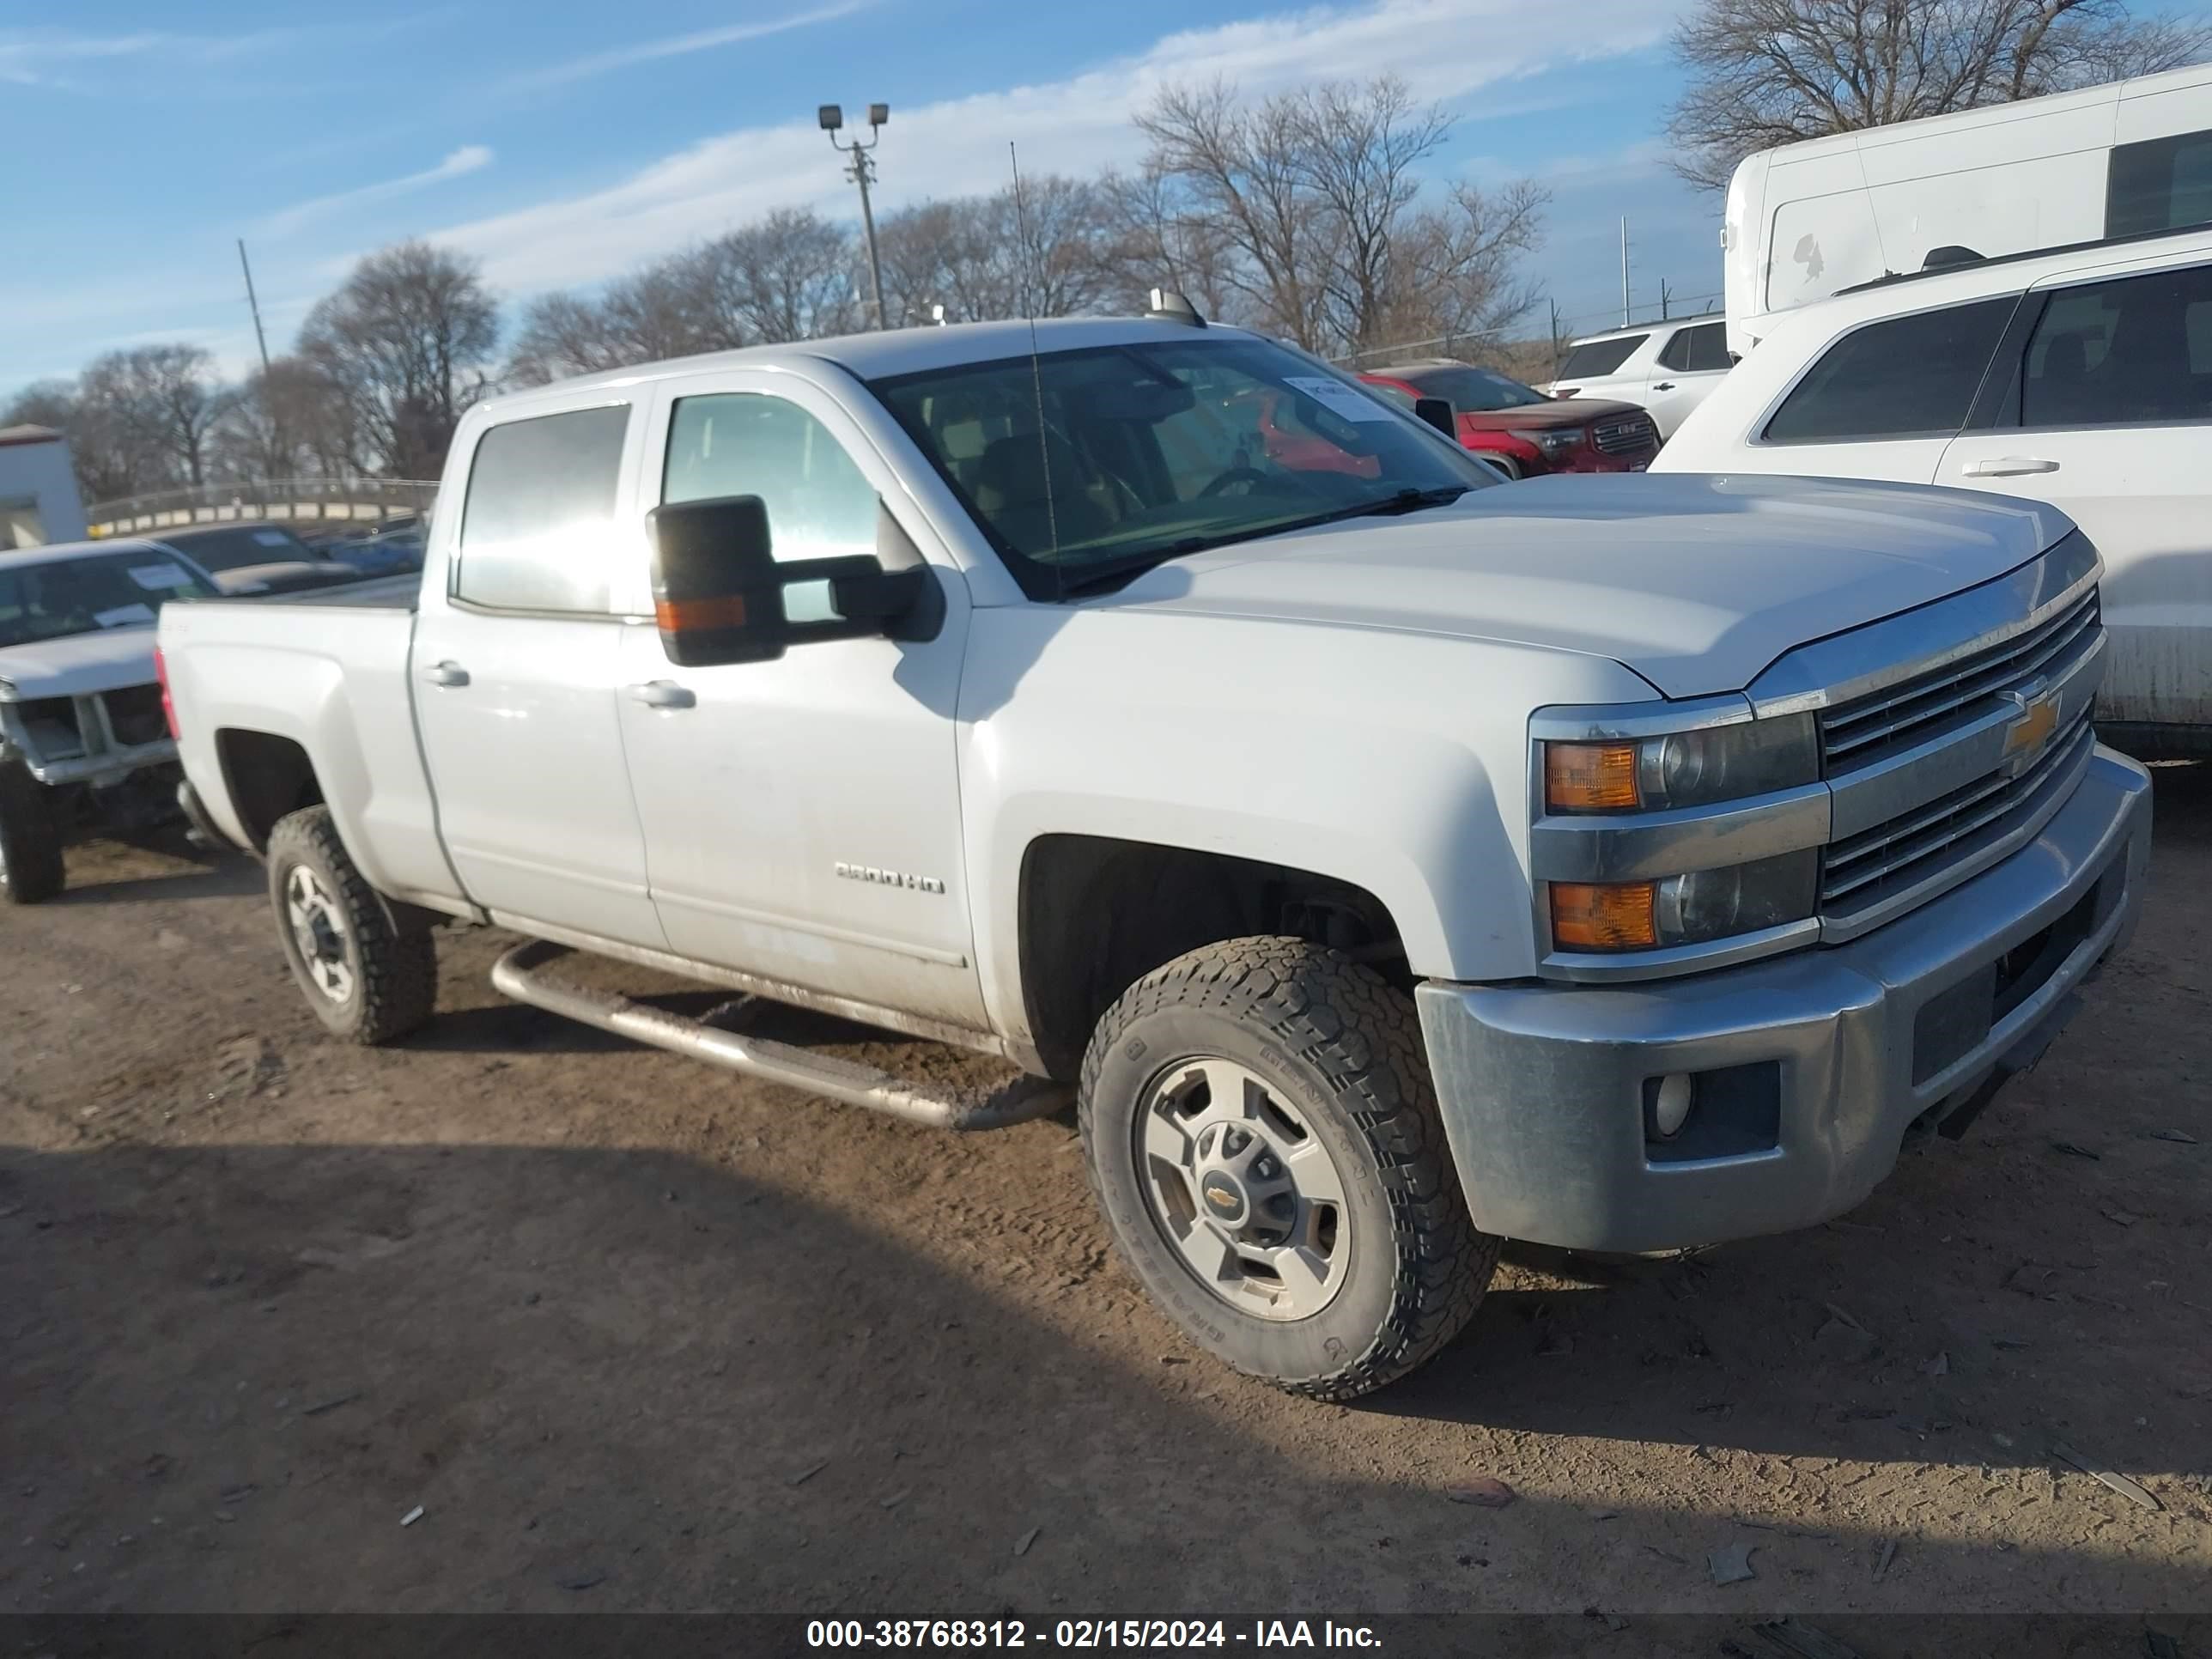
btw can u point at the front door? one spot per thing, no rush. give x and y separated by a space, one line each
2109 418
1688 368
516 660
802 816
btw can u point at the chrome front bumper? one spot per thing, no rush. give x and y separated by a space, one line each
1809 1069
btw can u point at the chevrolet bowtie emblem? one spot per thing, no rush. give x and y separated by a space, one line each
2033 726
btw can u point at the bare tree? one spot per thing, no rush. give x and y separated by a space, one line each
1240 166
291 421
409 337
1155 240
659 313
1767 72
1308 214
1049 253
789 276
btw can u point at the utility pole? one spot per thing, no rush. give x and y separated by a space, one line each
1555 338
1662 299
254 306
1624 273
862 172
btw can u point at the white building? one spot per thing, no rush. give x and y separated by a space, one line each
39 501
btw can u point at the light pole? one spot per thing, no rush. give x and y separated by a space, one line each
862 172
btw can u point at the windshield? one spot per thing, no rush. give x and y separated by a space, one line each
1596 357
48 600
236 547
1474 388
1161 448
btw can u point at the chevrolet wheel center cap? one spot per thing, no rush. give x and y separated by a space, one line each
1225 1199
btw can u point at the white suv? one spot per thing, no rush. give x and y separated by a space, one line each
1668 367
2078 376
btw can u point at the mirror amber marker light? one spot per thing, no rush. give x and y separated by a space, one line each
1590 777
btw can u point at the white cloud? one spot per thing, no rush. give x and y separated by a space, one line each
40 57
467 159
647 52
1444 49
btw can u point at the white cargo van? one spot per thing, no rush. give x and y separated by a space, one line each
1806 221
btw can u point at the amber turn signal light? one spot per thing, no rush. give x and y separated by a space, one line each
1604 915
1588 777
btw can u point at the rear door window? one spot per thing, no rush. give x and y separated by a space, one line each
1906 377
541 499
1594 357
2133 351
1694 350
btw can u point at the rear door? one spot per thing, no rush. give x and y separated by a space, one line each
516 659
1689 365
1884 400
2105 412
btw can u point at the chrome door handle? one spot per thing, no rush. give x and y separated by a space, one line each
2007 466
663 693
445 673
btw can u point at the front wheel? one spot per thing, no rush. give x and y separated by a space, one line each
31 869
1264 1140
369 979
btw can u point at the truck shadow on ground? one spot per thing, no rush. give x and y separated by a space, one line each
614 1380
193 873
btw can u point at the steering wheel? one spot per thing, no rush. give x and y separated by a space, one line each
1234 476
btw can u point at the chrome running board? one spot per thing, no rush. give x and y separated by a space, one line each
518 974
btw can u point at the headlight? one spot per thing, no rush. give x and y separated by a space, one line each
1553 441
1685 910
1685 769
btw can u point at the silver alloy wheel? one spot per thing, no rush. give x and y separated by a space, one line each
318 931
1236 1179
3 860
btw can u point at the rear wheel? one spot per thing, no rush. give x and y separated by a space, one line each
368 979
31 869
1265 1143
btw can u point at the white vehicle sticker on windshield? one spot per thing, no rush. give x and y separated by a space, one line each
1337 398
272 538
160 578
123 616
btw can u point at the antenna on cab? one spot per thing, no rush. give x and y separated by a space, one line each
1036 368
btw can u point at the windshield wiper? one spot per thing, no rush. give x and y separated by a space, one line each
1405 500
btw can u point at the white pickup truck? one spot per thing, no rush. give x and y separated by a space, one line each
1390 862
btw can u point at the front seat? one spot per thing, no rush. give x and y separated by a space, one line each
1010 493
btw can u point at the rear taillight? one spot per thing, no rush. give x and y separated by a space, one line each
168 708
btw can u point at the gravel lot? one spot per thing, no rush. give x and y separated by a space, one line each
633 1335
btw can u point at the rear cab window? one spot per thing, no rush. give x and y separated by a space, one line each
1902 377
540 504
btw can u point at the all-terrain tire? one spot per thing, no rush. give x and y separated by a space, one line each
31 869
389 973
1343 1050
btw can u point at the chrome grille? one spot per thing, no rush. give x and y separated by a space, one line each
1866 868
1625 435
1874 727
1930 717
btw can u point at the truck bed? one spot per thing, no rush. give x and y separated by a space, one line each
402 592
333 686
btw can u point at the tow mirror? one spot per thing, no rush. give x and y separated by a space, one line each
1438 412
720 596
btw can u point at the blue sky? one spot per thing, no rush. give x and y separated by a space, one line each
562 141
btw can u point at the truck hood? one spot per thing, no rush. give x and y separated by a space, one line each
78 665
1695 583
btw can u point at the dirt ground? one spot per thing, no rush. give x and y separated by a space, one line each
632 1335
